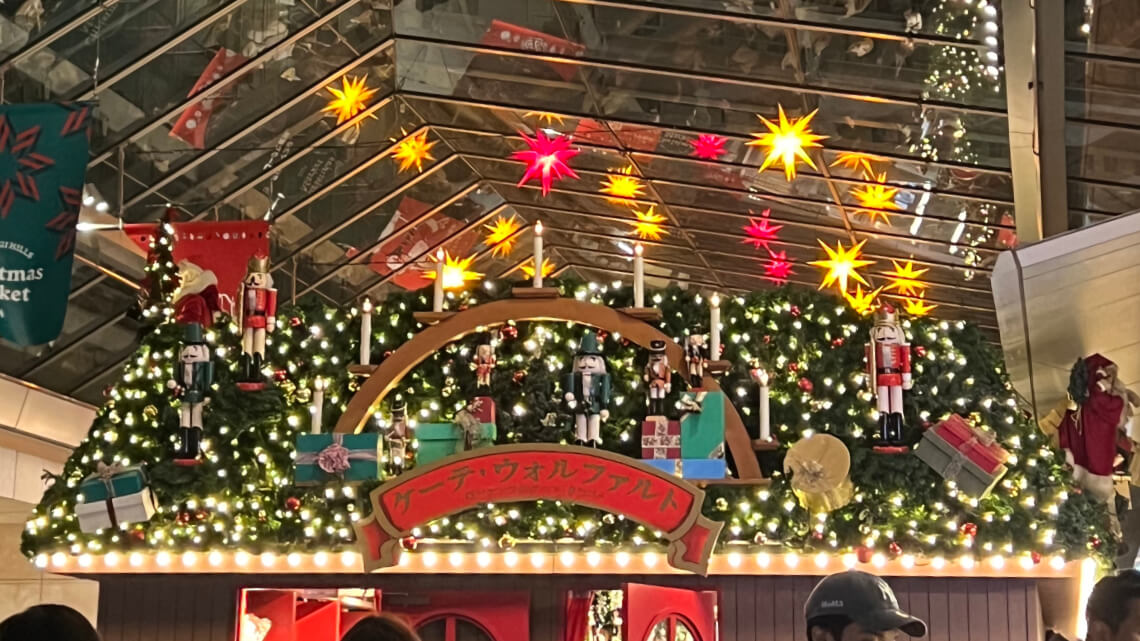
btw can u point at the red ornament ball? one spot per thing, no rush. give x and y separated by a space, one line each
292 503
767 339
1095 542
138 535
864 554
280 375
969 529
837 342
509 331
294 321
806 385
817 535
795 311
894 549
1035 556
409 543
794 366
182 518
920 351
602 335
518 377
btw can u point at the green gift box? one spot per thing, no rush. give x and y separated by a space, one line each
440 440
118 481
702 425
325 457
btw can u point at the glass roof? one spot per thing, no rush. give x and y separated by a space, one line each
911 100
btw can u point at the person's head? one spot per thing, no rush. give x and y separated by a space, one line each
47 622
1113 610
381 627
857 606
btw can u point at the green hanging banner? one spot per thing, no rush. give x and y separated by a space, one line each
43 163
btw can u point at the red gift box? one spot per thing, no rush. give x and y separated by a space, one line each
483 408
660 439
978 445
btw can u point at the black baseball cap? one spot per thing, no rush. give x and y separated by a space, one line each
865 599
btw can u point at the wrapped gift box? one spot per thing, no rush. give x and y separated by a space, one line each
326 457
702 431
440 440
660 438
964 454
483 409
703 469
112 496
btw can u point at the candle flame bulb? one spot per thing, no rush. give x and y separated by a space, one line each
638 249
366 305
319 383
538 228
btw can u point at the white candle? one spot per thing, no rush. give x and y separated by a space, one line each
761 376
365 331
318 404
714 328
638 276
437 298
538 254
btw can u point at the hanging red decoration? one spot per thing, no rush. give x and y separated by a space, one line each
864 554
409 543
969 529
292 503
777 268
545 159
509 332
761 231
806 385
708 146
894 549
1035 556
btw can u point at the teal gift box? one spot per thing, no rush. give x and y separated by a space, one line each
326 457
123 481
702 430
691 469
440 440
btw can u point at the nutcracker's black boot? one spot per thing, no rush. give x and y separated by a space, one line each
243 364
255 373
894 428
695 381
188 446
882 435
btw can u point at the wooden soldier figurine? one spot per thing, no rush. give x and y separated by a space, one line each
193 376
587 390
695 359
658 376
484 364
888 368
258 316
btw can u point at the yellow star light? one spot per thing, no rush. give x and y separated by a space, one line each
414 150
455 272
545 116
500 235
906 279
648 224
842 264
917 306
878 198
622 186
857 160
528 268
863 302
350 99
787 141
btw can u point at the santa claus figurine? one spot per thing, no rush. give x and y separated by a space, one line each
658 376
484 364
196 300
587 390
888 367
193 376
1100 410
695 359
258 316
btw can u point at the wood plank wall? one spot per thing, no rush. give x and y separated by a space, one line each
752 608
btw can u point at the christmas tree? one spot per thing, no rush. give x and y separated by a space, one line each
242 496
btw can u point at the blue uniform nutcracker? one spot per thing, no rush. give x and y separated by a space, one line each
193 376
587 390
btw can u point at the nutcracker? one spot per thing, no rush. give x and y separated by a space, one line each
484 364
192 379
658 376
587 390
888 368
258 316
397 437
695 359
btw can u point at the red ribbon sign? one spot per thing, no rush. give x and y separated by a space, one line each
520 473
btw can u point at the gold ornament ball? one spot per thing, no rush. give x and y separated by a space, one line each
506 542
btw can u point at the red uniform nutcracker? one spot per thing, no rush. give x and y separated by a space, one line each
888 366
258 316
484 364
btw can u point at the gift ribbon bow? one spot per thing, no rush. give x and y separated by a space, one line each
335 458
981 437
693 403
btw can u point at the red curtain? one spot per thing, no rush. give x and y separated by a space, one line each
577 616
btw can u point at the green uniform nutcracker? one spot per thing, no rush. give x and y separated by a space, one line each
587 390
193 376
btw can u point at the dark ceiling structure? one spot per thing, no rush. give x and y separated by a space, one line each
918 86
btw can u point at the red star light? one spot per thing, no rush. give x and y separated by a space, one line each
761 231
546 159
777 268
708 146
19 162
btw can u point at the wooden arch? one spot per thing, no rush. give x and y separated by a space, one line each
388 374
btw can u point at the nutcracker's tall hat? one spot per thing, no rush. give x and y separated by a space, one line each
193 335
657 347
589 346
886 315
259 264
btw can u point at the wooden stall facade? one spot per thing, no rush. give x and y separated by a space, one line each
203 607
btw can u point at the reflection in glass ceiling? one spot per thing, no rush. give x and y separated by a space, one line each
909 94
